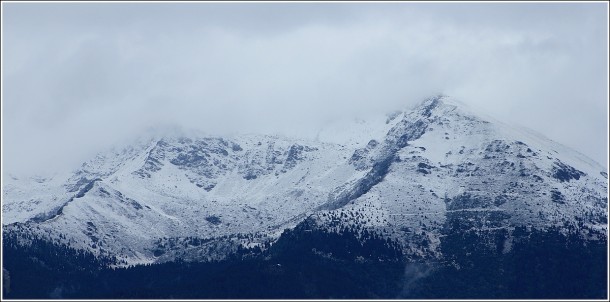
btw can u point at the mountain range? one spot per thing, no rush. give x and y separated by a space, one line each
435 184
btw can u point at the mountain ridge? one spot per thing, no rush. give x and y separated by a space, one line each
434 161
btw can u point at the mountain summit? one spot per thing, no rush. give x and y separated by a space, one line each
434 202
438 167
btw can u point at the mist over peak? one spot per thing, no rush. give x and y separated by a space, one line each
87 76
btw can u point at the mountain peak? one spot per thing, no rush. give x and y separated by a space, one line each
443 103
435 162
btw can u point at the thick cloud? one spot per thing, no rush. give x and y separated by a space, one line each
77 77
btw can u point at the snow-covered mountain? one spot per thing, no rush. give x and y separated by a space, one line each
409 177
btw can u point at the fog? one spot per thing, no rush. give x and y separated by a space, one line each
78 77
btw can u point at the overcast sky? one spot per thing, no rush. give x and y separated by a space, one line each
79 76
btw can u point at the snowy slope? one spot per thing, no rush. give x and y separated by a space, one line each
122 201
410 176
459 168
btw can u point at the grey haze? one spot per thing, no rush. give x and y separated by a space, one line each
80 76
